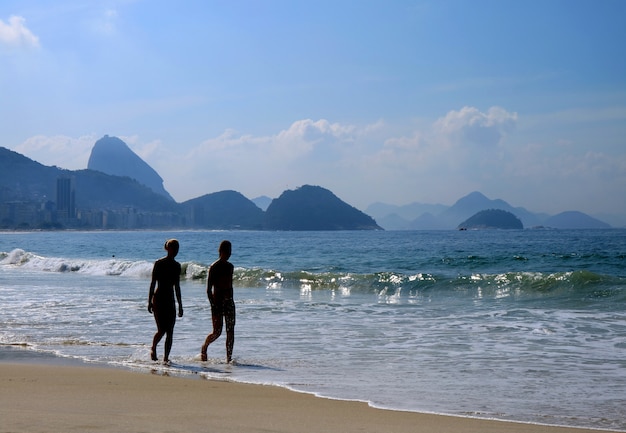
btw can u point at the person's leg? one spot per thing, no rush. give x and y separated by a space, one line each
157 336
169 337
155 340
217 331
229 317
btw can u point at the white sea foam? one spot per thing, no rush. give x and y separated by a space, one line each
26 260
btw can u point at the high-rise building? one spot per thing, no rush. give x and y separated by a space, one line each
66 196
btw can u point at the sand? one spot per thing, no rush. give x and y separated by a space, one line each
59 398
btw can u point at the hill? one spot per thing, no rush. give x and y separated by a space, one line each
112 156
575 220
95 189
21 178
315 208
262 202
492 219
223 210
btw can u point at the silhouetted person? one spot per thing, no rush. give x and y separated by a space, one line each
166 279
219 289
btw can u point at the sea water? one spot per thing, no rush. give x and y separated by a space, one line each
524 325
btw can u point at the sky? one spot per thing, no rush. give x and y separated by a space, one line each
378 101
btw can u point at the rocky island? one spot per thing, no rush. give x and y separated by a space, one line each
492 219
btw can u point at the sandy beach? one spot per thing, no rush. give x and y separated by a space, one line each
56 398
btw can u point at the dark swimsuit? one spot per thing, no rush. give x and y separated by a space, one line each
223 307
167 273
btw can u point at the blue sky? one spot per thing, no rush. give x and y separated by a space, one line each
378 101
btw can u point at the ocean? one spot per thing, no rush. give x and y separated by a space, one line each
520 325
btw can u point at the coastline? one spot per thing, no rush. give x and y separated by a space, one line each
45 395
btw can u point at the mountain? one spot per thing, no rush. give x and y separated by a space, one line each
315 208
95 189
21 178
413 216
112 156
262 202
28 196
426 221
492 219
474 202
574 220
223 210
465 207
96 200
407 212
393 221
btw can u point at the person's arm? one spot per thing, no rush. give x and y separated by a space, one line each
209 287
151 294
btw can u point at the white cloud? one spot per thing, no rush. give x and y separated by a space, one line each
320 139
412 143
147 150
445 143
469 125
259 165
298 141
15 34
310 131
62 151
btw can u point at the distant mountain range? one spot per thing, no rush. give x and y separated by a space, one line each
439 217
120 190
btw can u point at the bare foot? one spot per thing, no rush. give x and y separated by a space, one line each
203 356
153 355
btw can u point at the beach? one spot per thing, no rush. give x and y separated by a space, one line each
54 398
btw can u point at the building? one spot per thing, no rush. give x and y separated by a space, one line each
66 199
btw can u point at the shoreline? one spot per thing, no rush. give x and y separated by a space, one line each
51 394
